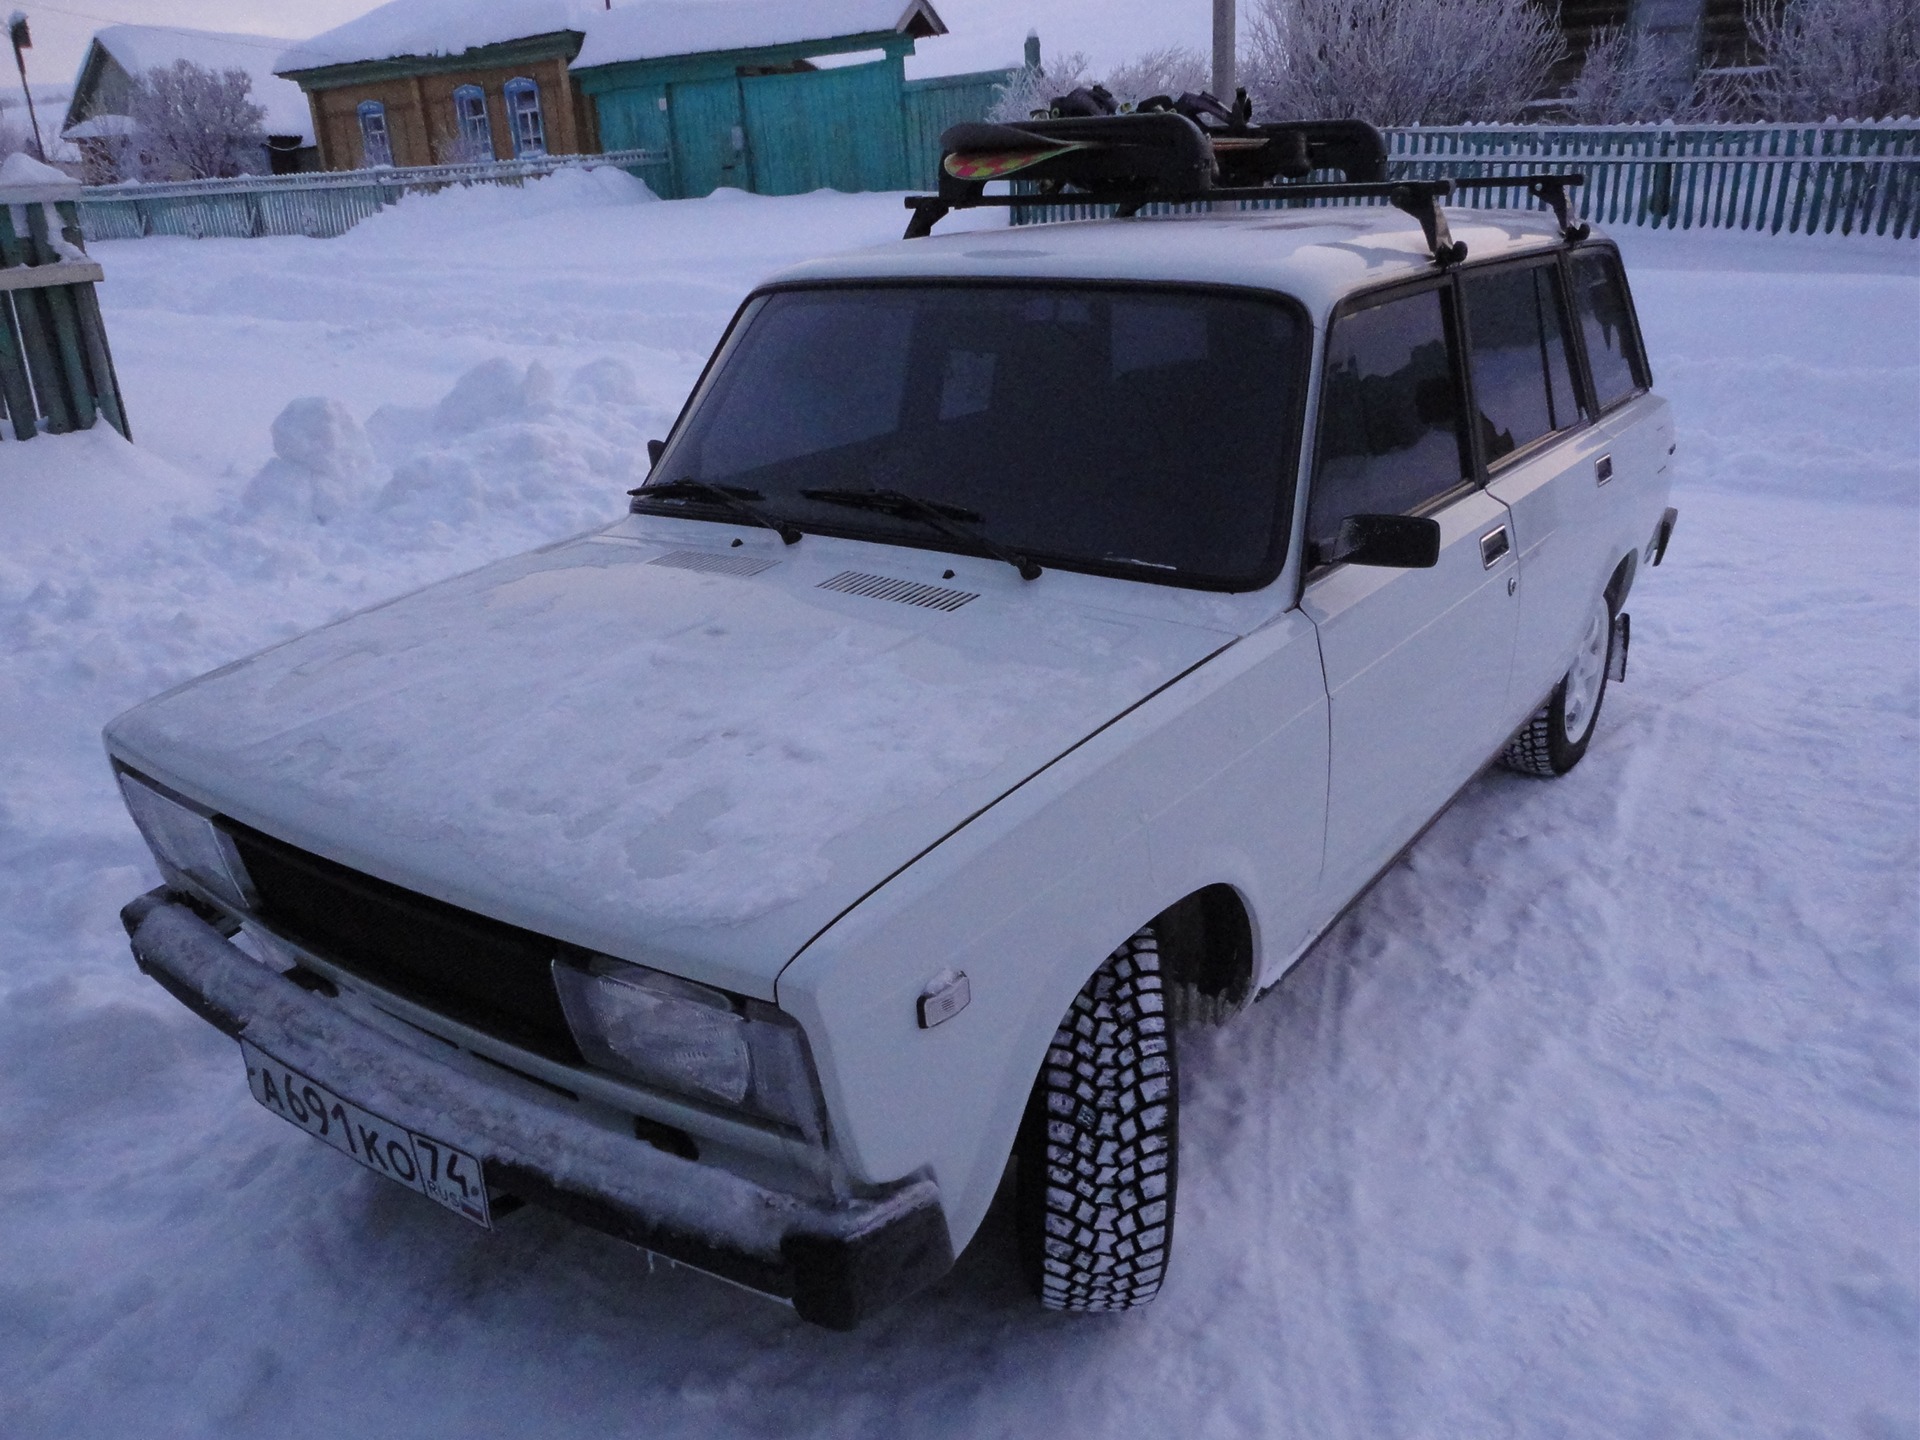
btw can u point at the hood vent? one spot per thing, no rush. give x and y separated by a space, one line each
907 592
711 564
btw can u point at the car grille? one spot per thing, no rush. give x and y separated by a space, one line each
494 977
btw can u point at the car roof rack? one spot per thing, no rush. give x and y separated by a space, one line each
1166 155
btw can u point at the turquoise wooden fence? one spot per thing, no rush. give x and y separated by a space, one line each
1845 178
1852 179
318 205
858 127
934 104
56 373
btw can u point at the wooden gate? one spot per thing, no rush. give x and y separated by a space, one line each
56 373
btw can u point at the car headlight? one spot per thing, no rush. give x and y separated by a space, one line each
690 1038
193 853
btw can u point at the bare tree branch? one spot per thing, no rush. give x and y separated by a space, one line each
1399 62
198 124
1839 59
1628 79
1172 71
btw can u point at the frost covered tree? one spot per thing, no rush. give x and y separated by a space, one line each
1173 71
1846 59
1399 62
1627 78
198 124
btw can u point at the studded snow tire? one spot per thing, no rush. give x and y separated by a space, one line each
1099 1148
1556 735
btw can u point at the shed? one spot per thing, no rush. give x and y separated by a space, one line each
773 96
432 82
118 54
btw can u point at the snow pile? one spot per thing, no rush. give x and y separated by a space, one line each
140 48
321 462
459 207
21 168
1597 1117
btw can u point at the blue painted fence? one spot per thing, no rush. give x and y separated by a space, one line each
1852 178
319 205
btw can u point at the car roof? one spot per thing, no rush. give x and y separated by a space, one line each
1318 256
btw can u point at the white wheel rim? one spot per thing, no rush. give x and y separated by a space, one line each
1588 674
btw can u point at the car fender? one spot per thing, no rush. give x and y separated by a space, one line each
1030 897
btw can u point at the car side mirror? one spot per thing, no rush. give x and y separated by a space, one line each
1397 542
655 449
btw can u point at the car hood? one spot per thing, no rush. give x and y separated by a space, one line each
694 756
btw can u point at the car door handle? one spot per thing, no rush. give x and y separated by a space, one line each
1603 470
1493 545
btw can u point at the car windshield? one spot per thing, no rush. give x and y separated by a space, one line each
1124 430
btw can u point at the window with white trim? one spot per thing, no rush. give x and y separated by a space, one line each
376 145
523 118
473 137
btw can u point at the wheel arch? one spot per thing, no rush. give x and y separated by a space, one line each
1207 952
1622 581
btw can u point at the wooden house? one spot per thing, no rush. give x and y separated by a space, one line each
438 82
99 118
774 96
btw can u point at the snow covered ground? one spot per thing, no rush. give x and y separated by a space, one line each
1600 1116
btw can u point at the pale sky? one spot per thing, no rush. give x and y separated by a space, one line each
985 33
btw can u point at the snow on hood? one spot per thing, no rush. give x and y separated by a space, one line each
697 770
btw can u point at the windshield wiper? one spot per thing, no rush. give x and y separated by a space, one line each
736 498
953 521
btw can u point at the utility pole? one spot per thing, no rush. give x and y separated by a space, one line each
1224 29
22 40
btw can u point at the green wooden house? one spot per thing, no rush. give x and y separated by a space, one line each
775 97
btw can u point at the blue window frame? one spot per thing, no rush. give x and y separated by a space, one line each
472 135
376 145
523 117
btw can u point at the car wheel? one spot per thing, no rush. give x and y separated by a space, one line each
1554 739
1098 1152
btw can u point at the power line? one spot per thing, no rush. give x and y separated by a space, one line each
263 42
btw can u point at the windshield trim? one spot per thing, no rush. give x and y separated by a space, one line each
1287 465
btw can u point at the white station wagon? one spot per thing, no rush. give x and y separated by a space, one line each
1026 640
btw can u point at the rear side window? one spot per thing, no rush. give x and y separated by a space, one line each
1517 344
1390 433
1606 323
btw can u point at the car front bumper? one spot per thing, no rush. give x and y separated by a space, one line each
837 1262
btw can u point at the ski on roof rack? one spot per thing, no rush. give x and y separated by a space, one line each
1165 155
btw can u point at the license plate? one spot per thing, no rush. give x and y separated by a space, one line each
435 1169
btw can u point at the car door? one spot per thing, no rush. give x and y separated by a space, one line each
1416 660
1541 459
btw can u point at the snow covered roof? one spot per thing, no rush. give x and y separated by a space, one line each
140 48
101 127
660 28
403 28
640 30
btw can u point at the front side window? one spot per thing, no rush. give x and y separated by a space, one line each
473 138
376 146
1606 323
523 118
1390 432
1517 348
1132 430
